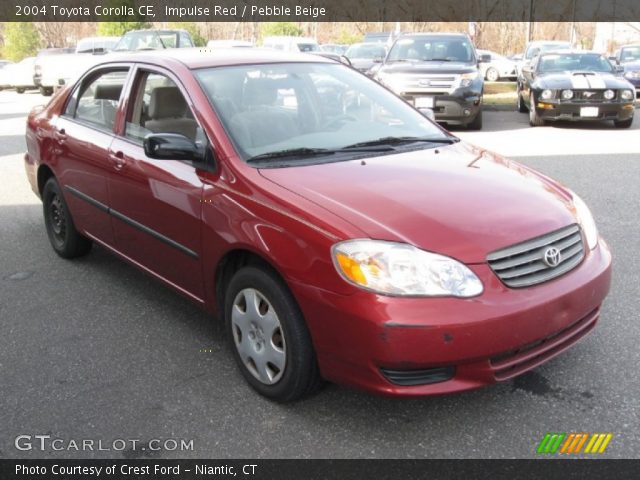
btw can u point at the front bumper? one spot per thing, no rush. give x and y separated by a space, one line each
571 111
453 109
472 342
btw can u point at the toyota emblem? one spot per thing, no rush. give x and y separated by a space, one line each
552 257
425 82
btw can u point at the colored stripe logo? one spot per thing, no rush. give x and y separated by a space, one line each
573 443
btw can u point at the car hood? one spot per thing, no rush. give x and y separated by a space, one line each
580 80
427 67
632 66
457 200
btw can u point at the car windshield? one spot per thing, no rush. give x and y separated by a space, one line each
571 62
310 109
150 40
307 47
425 49
365 50
95 45
630 53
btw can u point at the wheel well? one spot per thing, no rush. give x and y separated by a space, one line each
44 174
228 266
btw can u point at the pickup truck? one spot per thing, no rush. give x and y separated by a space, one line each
52 67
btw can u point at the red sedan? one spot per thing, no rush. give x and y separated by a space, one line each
337 232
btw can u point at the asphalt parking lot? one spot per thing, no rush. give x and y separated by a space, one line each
93 349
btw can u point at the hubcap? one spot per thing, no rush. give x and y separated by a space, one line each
258 336
58 219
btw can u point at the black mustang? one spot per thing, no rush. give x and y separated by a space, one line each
575 86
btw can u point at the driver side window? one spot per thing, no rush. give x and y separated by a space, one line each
160 107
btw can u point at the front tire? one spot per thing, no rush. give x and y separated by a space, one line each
623 123
64 238
269 336
535 120
20 90
476 123
46 91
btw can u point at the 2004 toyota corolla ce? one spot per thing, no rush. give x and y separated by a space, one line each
339 233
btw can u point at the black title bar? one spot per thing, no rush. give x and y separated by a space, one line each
320 10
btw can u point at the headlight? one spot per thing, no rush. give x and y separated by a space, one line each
609 94
626 94
586 221
567 94
391 268
468 78
546 94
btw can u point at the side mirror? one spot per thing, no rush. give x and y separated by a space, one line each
171 146
485 58
619 68
378 59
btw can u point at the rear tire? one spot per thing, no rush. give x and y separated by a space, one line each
534 119
623 123
492 75
64 238
269 337
46 91
522 107
20 90
476 123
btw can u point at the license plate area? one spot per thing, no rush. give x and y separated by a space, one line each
589 112
424 102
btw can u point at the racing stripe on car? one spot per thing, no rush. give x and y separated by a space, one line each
579 81
596 81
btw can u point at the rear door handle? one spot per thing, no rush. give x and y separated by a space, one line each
118 160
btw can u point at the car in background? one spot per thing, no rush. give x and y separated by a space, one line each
20 75
575 86
4 78
338 236
438 72
632 74
229 44
44 58
385 38
150 39
291 44
55 71
498 67
538 46
363 56
627 54
334 48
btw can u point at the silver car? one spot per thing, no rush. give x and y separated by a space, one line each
498 67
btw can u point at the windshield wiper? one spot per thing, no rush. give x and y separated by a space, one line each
400 141
438 60
292 152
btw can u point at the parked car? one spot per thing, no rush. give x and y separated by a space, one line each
498 67
385 38
229 44
337 232
632 74
291 44
627 53
539 46
150 39
575 86
20 75
437 71
363 56
55 70
45 58
334 48
4 78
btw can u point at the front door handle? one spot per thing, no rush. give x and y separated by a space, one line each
117 159
60 135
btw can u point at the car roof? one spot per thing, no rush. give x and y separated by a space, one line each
194 58
569 50
434 34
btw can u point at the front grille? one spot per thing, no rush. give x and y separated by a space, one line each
428 376
524 264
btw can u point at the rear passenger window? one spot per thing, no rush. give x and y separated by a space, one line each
160 107
98 100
